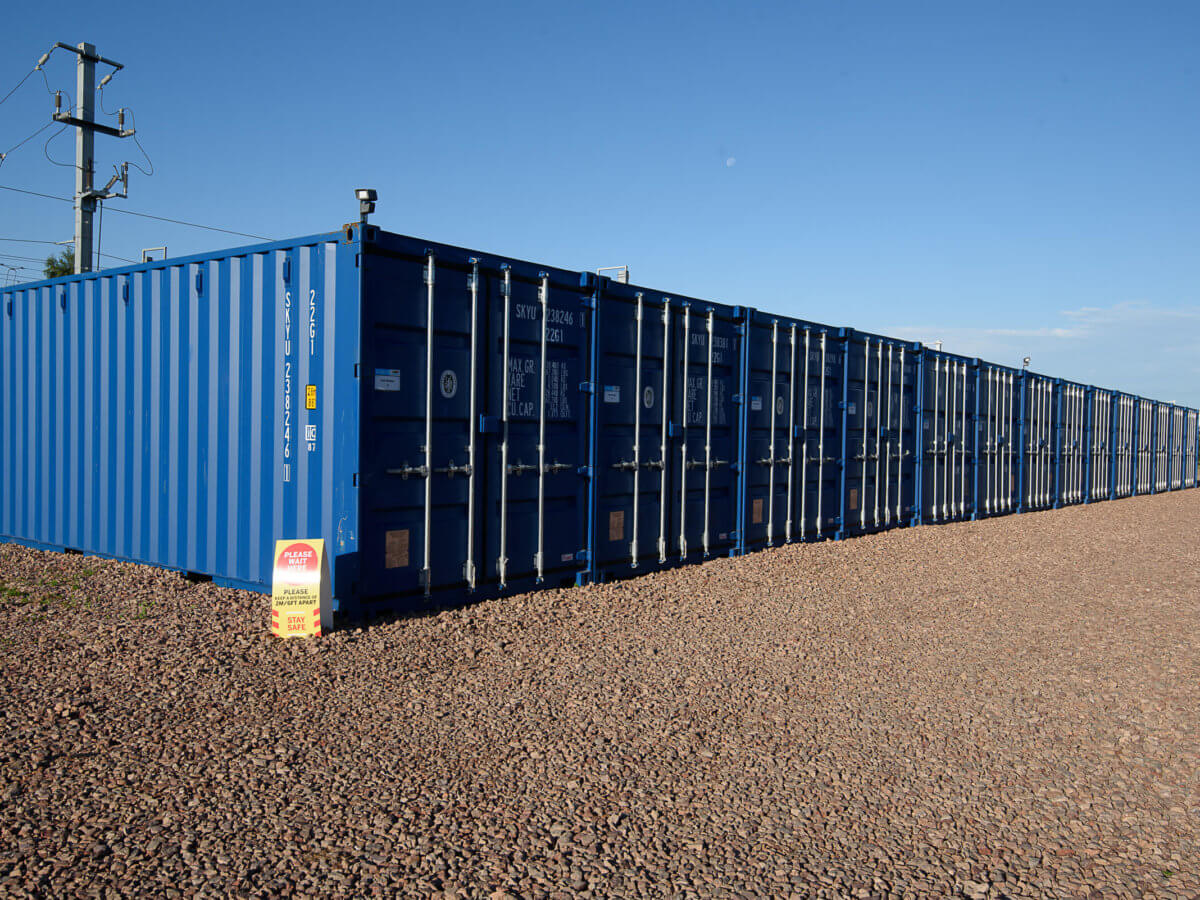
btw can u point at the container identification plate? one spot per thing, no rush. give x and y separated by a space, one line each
387 379
300 597
612 393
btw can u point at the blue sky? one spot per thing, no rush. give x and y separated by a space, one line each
1013 179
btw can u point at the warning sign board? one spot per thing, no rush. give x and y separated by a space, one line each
301 603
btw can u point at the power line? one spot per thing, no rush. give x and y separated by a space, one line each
19 83
55 244
149 162
24 142
130 212
46 148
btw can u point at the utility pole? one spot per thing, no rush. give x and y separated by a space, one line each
86 195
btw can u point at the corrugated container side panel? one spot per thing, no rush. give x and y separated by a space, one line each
133 400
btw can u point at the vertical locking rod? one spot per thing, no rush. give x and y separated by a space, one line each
540 557
469 567
862 485
791 431
962 446
426 572
887 462
937 389
502 562
821 443
637 434
804 446
771 445
900 447
662 441
708 428
878 422
683 450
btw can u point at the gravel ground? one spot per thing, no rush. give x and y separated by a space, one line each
1001 708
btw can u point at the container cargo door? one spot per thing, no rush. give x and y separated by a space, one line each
1038 418
1192 440
948 434
879 393
999 409
1124 444
473 432
1099 425
774 347
819 432
1071 410
708 347
1177 447
633 493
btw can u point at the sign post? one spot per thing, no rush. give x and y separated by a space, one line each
301 604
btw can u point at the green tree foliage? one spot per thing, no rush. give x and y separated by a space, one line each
62 264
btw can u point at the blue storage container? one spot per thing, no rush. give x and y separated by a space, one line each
1037 432
999 439
1178 446
1070 443
1144 444
666 442
1159 441
1125 450
188 412
457 425
880 383
708 397
792 423
948 436
1191 463
474 424
1099 426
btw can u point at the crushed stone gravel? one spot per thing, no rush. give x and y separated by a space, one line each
1004 708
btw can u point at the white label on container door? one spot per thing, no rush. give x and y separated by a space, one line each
756 404
448 383
612 393
387 379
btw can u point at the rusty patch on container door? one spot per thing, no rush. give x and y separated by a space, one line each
616 525
854 498
756 510
395 550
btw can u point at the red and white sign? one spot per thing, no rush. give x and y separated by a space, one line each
300 597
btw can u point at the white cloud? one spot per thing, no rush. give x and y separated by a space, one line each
1134 346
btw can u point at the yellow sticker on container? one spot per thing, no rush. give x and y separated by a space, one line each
310 396
301 603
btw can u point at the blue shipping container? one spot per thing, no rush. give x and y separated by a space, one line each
457 425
